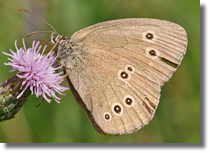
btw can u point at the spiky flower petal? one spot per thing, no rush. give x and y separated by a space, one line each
38 71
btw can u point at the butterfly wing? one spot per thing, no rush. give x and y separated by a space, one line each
121 67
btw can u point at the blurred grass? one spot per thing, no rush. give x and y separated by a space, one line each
177 119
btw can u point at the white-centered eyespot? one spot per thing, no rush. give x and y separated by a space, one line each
149 36
107 116
124 75
153 53
117 109
128 101
130 69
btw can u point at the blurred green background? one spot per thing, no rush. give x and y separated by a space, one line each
177 119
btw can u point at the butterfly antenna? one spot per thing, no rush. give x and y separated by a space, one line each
39 19
37 32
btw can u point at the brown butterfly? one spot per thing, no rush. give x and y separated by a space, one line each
116 69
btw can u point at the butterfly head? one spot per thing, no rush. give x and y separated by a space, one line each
54 37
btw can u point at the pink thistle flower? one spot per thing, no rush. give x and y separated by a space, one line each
37 71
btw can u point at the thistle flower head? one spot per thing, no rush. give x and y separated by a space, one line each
37 71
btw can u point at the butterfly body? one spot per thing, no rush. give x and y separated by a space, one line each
116 69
